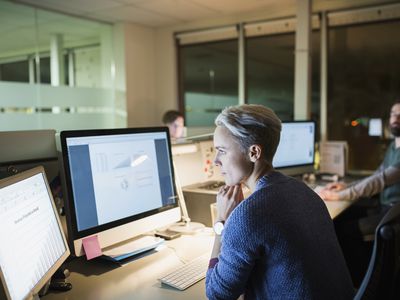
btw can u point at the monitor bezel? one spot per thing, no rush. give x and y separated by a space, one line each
298 168
57 264
69 198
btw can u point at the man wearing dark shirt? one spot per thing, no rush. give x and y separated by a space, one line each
358 222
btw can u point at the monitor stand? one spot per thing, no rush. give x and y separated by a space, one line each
132 247
187 227
43 291
35 297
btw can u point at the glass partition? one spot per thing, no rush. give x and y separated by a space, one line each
364 81
209 79
270 73
209 76
55 72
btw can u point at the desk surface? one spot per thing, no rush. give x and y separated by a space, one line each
335 208
99 279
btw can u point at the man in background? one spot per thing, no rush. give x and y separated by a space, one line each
385 180
175 122
361 220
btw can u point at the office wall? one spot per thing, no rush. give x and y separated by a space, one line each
166 83
140 75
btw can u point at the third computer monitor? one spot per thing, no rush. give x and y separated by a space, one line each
296 149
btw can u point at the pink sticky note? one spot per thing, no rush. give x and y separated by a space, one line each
92 247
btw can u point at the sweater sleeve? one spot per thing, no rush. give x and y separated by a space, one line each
371 185
228 278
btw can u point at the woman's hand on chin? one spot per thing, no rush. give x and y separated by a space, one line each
228 198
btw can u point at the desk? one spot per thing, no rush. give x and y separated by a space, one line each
99 279
335 208
102 280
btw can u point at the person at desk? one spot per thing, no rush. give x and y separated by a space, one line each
280 241
385 180
175 122
360 221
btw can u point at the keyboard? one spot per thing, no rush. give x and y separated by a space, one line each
185 276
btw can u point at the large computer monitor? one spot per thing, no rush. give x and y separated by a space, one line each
119 182
296 149
32 243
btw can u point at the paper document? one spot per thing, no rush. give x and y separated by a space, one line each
333 157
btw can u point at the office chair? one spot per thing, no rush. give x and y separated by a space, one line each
382 279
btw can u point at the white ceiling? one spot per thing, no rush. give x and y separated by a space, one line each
19 19
153 13
157 13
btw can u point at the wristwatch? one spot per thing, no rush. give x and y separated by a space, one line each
218 227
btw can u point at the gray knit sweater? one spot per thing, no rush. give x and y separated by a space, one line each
280 243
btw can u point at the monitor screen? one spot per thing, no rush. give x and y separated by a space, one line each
120 183
32 245
375 127
295 152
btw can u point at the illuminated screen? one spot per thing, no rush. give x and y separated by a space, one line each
32 242
296 146
117 176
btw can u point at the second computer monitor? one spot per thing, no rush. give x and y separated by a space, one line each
296 149
32 245
119 182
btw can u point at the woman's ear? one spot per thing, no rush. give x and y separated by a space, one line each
255 153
